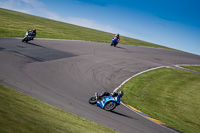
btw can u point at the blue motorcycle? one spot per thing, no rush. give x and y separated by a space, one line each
107 102
28 36
115 41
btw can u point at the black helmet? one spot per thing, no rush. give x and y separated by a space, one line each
114 94
120 93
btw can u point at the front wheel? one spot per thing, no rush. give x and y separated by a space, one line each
93 100
115 44
110 106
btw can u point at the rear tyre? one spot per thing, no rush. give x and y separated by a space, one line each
111 44
110 106
93 100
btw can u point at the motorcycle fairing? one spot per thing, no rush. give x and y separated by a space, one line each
102 103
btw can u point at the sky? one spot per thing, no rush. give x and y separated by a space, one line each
171 23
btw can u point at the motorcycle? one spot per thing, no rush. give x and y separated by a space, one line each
108 102
115 41
28 36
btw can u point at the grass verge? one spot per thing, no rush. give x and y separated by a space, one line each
195 68
21 114
15 24
169 95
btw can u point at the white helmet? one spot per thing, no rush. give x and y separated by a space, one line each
120 93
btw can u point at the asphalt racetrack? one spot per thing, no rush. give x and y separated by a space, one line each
66 73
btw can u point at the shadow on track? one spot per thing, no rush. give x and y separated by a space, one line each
117 113
119 47
1 48
35 45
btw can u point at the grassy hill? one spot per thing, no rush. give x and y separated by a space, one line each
14 24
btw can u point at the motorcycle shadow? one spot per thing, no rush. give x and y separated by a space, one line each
35 44
117 113
119 47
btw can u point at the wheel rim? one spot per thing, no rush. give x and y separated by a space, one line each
110 105
93 99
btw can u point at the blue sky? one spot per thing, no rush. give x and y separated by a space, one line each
172 23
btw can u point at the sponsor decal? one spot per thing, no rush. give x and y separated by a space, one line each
102 103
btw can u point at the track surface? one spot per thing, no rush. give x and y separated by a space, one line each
66 74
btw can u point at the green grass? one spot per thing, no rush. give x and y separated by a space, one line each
169 95
22 114
195 68
15 24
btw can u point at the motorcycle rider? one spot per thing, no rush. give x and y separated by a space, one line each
33 34
118 38
114 94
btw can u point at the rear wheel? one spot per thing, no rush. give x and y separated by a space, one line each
110 106
93 100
